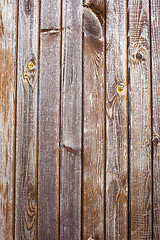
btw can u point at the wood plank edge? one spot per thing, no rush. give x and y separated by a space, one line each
128 130
37 127
60 100
104 119
151 118
15 124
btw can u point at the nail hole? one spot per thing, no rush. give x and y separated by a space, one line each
25 75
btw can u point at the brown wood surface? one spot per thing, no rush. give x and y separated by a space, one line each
48 171
116 121
140 124
27 110
79 119
71 121
8 44
155 39
93 116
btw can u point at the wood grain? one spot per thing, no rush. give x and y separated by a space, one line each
79 125
116 121
71 121
26 134
140 142
48 172
155 39
93 115
8 44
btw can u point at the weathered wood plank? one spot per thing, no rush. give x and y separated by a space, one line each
48 172
8 23
71 121
140 105
155 39
26 134
116 121
93 133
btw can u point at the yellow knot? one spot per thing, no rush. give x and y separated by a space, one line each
25 75
90 238
120 89
31 65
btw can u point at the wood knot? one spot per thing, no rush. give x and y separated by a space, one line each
27 7
156 138
91 238
139 56
29 72
93 30
120 88
92 25
31 207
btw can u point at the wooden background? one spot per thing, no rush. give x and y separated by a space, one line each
79 119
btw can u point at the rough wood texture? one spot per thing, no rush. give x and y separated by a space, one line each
140 112
155 39
80 147
93 156
26 145
48 189
71 117
116 121
8 15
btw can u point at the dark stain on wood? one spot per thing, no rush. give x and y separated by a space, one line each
71 150
93 29
28 6
6 208
97 8
139 56
6 81
1 25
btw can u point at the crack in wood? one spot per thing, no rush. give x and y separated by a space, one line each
53 30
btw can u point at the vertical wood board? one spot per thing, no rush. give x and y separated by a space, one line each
48 172
155 40
8 44
116 121
93 116
71 121
26 134
140 112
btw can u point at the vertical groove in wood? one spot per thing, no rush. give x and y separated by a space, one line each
49 104
37 143
15 123
151 114
104 119
116 121
82 129
8 44
26 128
155 63
141 150
128 117
59 140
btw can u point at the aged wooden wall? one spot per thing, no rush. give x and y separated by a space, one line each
79 119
